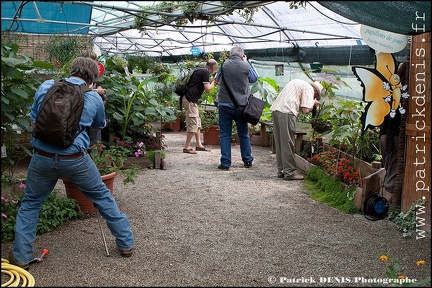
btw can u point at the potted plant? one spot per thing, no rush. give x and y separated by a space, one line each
109 160
320 123
210 125
175 125
139 152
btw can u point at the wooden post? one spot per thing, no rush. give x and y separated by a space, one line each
299 141
417 176
157 154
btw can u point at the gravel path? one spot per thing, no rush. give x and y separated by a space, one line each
198 226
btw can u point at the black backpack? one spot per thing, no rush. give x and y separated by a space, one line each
181 84
57 121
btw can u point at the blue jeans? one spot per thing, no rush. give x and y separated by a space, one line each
42 176
228 114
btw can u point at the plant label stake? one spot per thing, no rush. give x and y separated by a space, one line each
98 216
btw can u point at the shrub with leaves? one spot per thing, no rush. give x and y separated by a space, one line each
406 222
55 211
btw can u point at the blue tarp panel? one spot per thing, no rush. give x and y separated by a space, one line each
52 18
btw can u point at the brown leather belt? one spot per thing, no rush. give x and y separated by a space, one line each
58 156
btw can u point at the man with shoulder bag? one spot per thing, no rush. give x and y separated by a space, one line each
234 77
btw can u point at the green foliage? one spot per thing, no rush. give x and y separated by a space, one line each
160 70
344 116
210 97
305 118
326 189
111 158
140 63
55 211
116 63
192 11
19 81
209 118
61 48
132 102
406 222
151 155
330 81
320 122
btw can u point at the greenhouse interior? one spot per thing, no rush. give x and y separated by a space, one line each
200 224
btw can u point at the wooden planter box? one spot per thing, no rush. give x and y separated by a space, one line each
372 182
140 161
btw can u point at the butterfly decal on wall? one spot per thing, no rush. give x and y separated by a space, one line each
382 90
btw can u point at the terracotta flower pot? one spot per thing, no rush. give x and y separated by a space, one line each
83 202
173 126
211 136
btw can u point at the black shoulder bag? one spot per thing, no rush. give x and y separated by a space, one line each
254 106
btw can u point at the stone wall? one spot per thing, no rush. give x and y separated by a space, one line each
30 44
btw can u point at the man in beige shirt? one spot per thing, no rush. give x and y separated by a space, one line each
298 96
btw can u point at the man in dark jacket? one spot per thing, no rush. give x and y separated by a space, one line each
238 73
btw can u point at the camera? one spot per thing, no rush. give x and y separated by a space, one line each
103 96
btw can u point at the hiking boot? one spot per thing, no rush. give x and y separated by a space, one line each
126 253
12 261
221 167
293 177
248 165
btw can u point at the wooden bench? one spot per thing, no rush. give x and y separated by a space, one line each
264 139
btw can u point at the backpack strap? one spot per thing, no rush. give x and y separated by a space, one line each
84 88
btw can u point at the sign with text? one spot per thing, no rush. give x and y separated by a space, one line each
195 51
383 41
